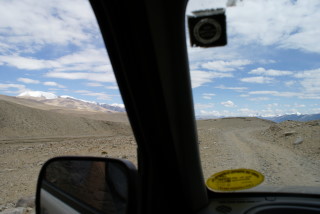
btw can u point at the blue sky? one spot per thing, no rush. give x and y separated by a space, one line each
271 65
54 46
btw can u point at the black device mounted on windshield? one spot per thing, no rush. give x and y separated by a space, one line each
207 28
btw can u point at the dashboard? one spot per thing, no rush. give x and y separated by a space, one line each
269 204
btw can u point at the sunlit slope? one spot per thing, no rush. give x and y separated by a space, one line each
19 121
61 107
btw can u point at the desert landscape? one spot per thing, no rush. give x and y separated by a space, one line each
32 131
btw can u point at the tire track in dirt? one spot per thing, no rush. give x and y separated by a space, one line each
279 165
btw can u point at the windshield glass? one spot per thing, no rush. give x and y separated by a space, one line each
58 93
257 98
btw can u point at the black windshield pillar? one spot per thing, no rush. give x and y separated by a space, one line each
147 48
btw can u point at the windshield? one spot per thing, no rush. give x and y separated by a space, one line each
58 93
257 98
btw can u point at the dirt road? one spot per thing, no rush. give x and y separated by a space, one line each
240 147
224 144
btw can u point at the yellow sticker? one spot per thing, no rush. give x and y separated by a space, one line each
235 179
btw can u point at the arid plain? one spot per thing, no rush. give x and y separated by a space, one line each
31 132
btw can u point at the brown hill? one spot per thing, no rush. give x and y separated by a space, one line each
70 107
233 122
33 103
301 137
20 121
75 104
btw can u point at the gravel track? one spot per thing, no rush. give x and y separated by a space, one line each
240 148
224 144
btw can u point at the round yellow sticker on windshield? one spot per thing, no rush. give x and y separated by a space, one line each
235 179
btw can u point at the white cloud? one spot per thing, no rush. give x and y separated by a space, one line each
199 78
311 85
290 83
269 72
31 24
287 24
28 81
27 63
299 105
277 93
91 59
94 60
266 61
264 92
113 87
238 89
247 112
17 88
224 66
208 96
211 113
31 81
271 105
259 98
53 84
97 95
268 111
99 77
228 104
94 84
244 95
310 80
103 68
258 79
204 105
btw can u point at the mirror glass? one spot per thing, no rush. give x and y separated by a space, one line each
85 185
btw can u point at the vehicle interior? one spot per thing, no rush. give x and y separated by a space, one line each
147 46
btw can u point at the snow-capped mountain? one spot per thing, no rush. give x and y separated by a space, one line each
70 102
295 117
114 107
278 119
70 97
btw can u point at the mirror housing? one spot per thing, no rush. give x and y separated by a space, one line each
87 185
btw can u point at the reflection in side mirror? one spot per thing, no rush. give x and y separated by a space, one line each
87 185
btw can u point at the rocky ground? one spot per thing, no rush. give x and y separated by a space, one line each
20 161
286 153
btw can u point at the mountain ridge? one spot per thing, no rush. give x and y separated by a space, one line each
19 121
294 117
42 104
70 102
278 119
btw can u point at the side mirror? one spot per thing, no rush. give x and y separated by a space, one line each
87 185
